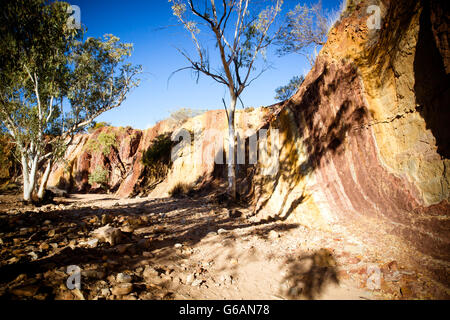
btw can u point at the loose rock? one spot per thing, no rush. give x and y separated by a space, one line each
108 234
91 243
197 282
189 279
122 289
27 291
222 231
273 235
149 273
123 278
105 292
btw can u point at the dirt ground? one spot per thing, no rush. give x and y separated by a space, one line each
187 249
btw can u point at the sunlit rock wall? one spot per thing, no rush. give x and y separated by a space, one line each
365 140
194 164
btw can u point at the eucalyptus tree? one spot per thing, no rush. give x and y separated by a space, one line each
53 83
286 91
241 33
306 28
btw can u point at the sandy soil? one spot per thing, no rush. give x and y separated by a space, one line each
186 249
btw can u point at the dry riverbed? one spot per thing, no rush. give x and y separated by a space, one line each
185 249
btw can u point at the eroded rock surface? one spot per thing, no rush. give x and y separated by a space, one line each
365 138
364 143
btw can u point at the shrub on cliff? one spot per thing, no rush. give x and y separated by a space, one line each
285 92
181 189
103 143
182 115
99 176
306 29
98 125
157 157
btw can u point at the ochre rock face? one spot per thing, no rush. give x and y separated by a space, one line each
80 161
124 161
365 140
136 166
209 137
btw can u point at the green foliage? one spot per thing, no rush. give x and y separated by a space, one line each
99 176
305 25
101 77
103 143
159 151
6 157
183 114
34 54
97 125
53 82
157 158
305 29
285 92
181 189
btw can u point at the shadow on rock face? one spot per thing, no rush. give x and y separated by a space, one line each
432 81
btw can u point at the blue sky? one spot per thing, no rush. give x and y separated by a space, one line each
155 32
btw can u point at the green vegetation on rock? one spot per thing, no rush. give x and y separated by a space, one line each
285 92
157 157
99 176
97 125
181 189
103 143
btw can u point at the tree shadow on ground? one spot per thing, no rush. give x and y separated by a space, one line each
308 275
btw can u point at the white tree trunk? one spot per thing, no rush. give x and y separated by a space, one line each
27 186
231 151
29 171
44 180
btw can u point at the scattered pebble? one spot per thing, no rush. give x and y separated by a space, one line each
273 235
122 289
123 278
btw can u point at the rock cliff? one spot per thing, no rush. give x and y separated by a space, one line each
365 140
120 150
364 143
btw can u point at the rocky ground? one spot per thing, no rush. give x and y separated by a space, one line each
186 249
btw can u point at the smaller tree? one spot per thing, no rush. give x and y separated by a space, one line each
97 125
242 31
287 91
305 29
182 115
99 176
